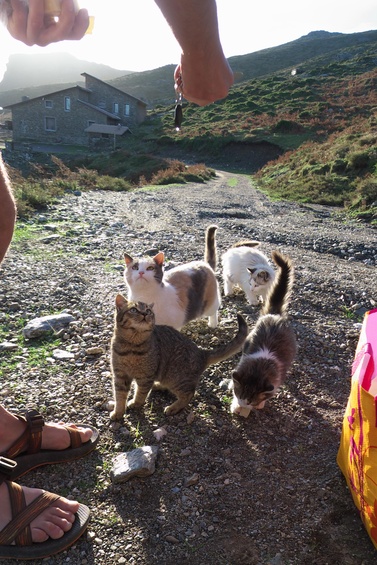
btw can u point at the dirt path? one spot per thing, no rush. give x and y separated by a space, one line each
227 490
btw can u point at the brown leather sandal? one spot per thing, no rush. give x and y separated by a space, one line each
15 539
27 452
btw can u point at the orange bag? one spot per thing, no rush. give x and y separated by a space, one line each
357 455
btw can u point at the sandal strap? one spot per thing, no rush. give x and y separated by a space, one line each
18 529
7 467
31 439
75 437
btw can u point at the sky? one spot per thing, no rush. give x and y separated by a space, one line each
133 35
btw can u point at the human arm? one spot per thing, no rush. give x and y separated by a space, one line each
206 74
7 210
26 22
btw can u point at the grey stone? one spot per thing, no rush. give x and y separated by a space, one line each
62 355
8 346
94 351
139 462
51 238
40 326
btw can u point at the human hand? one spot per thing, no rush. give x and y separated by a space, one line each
203 79
29 24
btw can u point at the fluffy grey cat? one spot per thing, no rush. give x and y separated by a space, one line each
270 347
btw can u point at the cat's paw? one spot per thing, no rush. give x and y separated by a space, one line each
212 321
134 405
171 410
116 416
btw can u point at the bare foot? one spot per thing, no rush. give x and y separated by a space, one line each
54 436
52 523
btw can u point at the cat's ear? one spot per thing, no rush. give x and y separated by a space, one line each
269 388
120 301
159 258
235 376
128 259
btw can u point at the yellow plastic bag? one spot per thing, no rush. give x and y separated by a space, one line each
357 455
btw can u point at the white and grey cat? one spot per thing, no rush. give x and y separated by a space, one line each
270 347
249 269
182 294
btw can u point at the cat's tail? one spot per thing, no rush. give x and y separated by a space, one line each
210 252
246 243
280 292
224 351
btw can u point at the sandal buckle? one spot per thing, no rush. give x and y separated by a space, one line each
7 466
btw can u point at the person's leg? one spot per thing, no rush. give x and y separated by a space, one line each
53 522
54 436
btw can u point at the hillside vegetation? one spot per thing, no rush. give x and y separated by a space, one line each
324 118
309 107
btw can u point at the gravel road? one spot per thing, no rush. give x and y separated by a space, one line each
226 490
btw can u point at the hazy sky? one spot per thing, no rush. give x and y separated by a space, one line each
133 35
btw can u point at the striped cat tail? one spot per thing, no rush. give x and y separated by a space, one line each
210 253
246 243
224 351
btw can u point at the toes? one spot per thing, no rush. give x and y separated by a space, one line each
39 535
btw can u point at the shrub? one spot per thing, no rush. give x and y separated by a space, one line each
106 182
338 166
359 160
367 191
31 195
287 126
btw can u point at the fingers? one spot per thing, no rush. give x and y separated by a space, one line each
18 21
204 79
70 25
30 25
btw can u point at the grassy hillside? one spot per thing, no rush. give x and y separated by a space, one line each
314 132
324 119
296 53
156 86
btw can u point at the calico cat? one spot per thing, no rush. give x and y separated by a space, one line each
184 293
249 269
270 347
151 355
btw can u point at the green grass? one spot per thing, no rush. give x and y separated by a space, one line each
25 232
232 182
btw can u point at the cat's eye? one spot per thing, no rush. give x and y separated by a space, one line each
149 311
135 267
150 268
133 310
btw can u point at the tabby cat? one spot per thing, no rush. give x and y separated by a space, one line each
151 355
270 347
184 293
249 269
